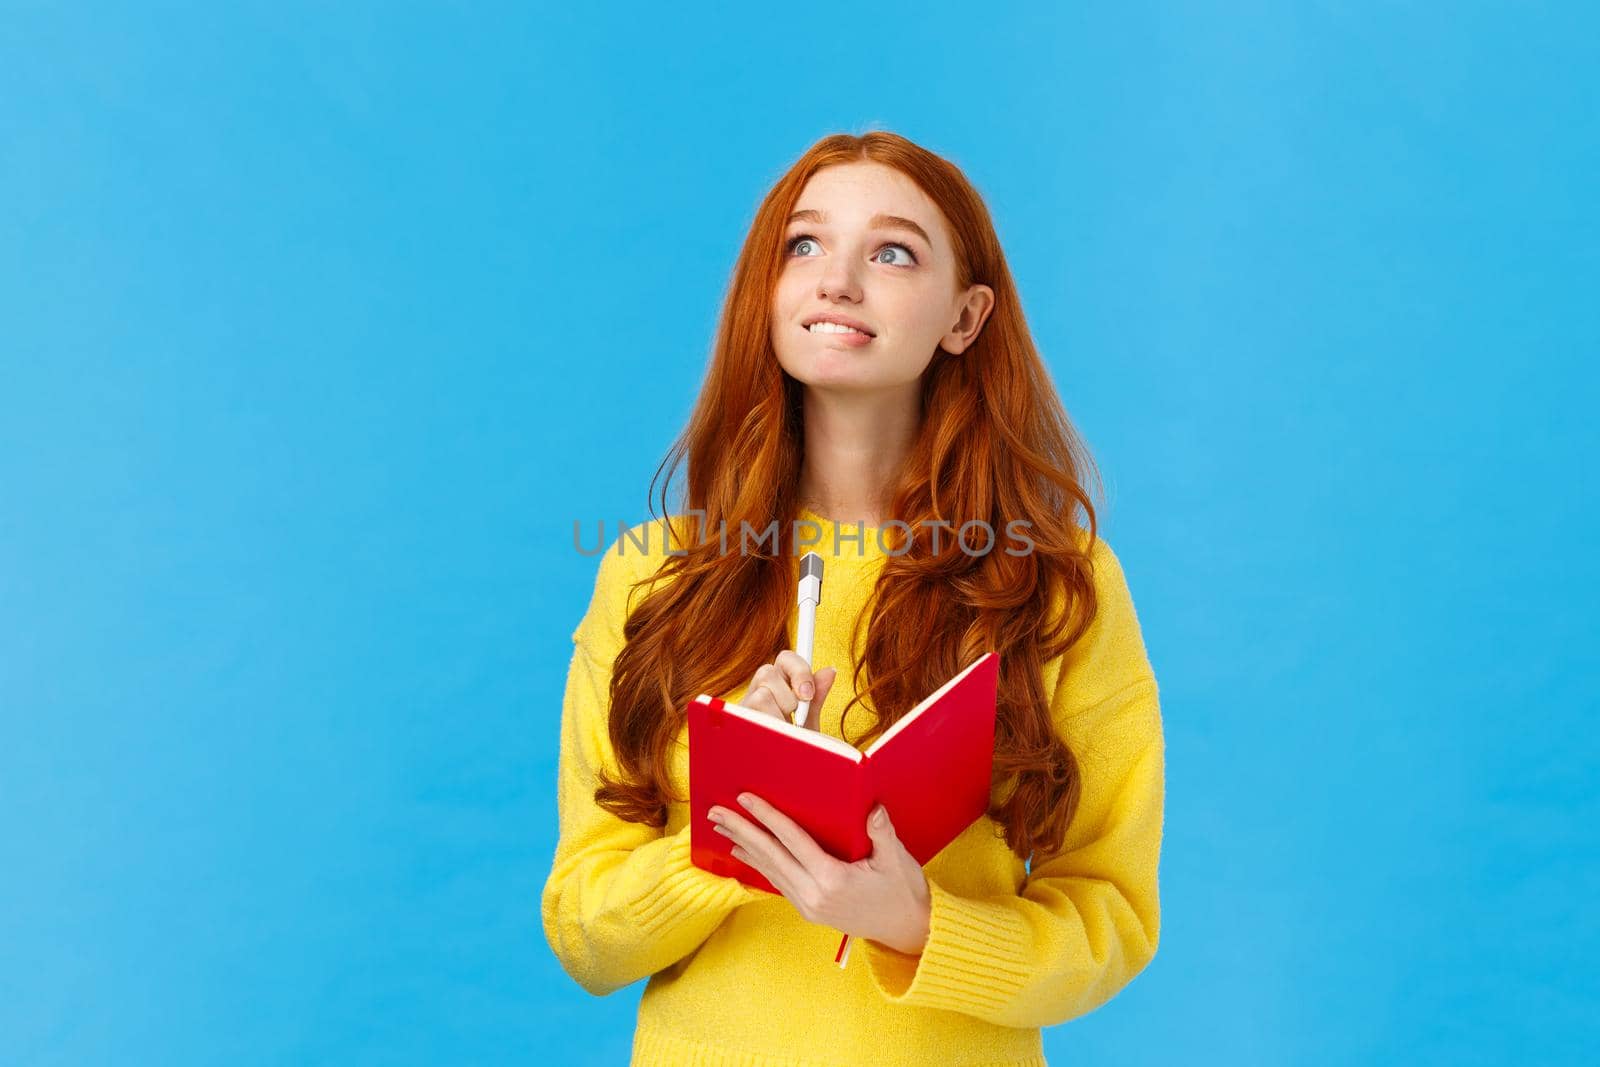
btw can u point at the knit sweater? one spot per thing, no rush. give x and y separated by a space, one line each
737 978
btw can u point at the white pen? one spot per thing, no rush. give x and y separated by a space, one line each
810 593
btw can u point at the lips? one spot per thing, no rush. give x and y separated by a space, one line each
837 319
850 340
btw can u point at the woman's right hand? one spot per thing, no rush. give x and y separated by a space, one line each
778 687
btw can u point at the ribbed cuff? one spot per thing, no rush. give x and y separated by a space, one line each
974 961
686 888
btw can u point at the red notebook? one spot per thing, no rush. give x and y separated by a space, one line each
931 770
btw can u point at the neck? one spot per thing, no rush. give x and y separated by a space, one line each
854 446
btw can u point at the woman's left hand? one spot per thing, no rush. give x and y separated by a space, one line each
883 897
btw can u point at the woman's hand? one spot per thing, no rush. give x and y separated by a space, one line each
778 687
883 897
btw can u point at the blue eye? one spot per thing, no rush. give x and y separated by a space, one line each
793 241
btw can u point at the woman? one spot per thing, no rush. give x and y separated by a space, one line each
936 413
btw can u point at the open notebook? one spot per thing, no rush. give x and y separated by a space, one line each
931 770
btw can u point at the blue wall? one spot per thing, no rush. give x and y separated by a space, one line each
319 328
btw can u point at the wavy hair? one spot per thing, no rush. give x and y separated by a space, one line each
994 444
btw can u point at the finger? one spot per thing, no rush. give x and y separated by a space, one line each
773 678
798 844
761 699
886 844
756 863
766 853
797 672
825 679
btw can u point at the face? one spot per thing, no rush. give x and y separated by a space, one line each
895 278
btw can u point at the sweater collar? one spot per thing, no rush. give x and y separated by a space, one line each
848 542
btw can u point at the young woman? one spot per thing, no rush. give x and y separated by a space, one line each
934 418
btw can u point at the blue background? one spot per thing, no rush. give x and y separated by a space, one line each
319 328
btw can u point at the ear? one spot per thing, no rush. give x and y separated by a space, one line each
975 310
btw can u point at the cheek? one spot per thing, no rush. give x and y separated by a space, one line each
923 322
783 316
789 344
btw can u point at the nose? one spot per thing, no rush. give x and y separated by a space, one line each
839 280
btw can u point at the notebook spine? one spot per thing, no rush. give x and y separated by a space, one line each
866 800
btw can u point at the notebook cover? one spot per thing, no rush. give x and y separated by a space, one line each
932 772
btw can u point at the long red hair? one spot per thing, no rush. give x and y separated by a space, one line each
995 444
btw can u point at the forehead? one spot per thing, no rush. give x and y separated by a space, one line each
852 193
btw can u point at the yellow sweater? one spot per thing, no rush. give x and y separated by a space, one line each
738 979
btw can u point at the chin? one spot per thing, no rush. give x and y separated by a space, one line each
840 378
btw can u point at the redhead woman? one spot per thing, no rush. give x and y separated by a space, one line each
873 395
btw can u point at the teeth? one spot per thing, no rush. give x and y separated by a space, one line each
830 327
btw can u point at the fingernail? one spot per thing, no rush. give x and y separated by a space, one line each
806 690
879 818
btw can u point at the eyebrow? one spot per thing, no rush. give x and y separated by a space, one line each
898 222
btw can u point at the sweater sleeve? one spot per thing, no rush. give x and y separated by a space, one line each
623 899
1087 919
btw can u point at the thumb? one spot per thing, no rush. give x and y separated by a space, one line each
824 682
879 826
